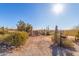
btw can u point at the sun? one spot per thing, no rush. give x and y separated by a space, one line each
58 8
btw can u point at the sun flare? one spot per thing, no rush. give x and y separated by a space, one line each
58 8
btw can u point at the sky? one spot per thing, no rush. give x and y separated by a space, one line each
40 15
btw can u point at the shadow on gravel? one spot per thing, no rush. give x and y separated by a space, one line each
5 49
60 51
77 42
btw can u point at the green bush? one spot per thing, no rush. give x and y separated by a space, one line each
68 44
16 38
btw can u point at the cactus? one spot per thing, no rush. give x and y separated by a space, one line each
56 34
61 34
58 38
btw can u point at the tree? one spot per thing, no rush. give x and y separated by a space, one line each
29 28
21 26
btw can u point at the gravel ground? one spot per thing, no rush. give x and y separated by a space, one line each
41 46
35 46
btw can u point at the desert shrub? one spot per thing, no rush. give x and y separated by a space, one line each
68 44
16 38
2 32
77 36
43 32
52 39
63 42
70 32
19 38
47 33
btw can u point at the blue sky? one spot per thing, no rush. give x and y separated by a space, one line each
39 15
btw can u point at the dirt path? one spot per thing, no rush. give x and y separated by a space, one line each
76 53
35 46
41 46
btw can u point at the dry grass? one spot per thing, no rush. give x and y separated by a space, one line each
3 36
68 43
70 32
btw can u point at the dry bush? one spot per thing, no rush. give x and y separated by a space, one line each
77 36
2 32
70 32
52 39
68 44
16 38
